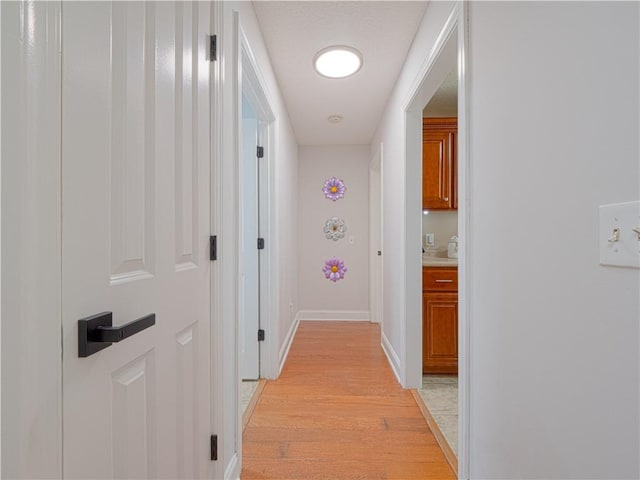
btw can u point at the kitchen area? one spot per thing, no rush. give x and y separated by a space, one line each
440 261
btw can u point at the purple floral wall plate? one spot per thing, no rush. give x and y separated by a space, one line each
334 269
334 189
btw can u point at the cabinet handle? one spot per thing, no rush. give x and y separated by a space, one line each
444 281
446 199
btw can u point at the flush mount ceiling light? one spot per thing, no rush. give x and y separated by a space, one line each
334 118
337 61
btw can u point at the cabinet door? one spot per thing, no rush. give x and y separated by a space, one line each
440 333
437 169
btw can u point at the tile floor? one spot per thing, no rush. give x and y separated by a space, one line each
440 393
248 388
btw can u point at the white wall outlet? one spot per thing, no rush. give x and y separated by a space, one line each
619 242
429 239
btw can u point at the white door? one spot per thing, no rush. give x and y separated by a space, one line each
375 216
249 275
135 209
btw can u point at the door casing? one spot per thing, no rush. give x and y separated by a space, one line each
252 84
451 48
31 225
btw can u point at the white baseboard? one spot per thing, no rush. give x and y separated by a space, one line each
335 315
284 349
392 357
232 472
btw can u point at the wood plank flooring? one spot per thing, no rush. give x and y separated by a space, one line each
337 412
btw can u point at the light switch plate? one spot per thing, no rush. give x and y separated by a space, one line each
623 249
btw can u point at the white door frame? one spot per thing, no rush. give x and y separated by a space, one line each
245 69
218 410
31 240
252 84
450 47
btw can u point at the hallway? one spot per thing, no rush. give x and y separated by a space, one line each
337 412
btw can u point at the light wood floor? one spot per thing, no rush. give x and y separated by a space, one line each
337 412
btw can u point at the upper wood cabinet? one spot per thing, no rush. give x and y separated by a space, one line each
439 163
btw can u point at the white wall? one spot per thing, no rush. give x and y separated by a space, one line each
554 125
286 218
348 298
448 110
444 224
282 211
554 338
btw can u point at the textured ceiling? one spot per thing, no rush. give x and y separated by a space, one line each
294 31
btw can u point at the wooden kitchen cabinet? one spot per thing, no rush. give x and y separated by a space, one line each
439 163
440 320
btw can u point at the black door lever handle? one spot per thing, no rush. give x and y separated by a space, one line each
115 334
97 332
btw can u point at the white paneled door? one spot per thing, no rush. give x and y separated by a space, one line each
135 210
250 274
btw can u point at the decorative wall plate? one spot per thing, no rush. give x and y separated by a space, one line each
334 189
334 228
334 269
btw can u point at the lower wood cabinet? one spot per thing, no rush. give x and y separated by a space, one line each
439 323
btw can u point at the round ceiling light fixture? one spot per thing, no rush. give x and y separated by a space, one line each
334 118
338 61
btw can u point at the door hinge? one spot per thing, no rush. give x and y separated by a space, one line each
261 244
261 335
214 447
213 247
213 48
260 152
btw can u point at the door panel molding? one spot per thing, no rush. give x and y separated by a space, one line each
133 418
187 408
186 134
132 142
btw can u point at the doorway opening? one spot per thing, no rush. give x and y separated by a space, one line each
439 387
437 309
257 328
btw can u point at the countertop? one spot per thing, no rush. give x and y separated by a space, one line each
431 261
